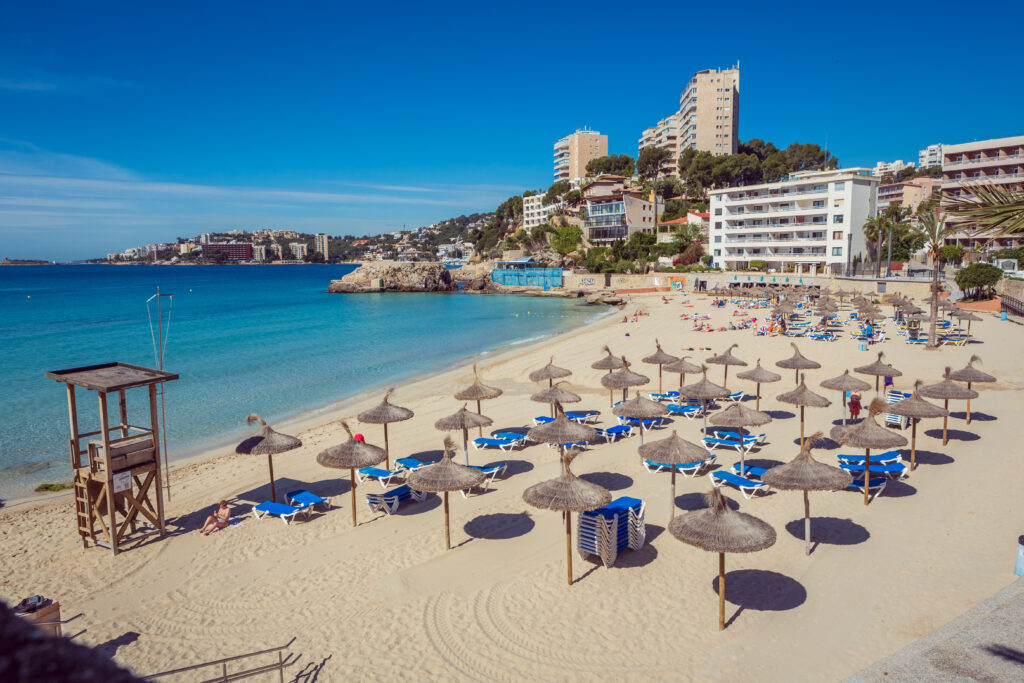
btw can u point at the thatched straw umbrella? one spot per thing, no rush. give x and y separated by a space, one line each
720 529
444 476
963 315
803 397
659 358
683 367
843 383
759 376
672 451
562 430
549 372
567 494
609 362
464 420
971 374
878 369
477 391
804 473
623 378
640 408
869 434
784 309
703 391
267 442
351 455
384 413
916 408
725 360
797 362
947 390
739 416
555 394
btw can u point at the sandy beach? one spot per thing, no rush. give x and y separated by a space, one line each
385 599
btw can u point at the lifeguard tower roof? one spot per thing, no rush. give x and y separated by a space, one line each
108 377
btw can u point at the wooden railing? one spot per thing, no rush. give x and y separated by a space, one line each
283 662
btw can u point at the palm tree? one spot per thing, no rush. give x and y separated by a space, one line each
935 232
996 209
874 228
898 226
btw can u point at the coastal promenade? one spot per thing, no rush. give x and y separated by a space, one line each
384 599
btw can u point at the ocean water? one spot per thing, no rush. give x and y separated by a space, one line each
263 339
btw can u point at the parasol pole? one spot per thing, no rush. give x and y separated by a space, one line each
913 444
447 531
480 430
968 387
568 543
757 406
273 492
465 443
721 591
352 481
611 394
725 376
801 426
945 422
672 503
387 453
867 473
743 467
659 378
807 523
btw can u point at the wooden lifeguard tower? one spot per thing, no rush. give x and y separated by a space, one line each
118 476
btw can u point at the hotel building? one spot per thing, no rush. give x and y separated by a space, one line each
991 162
707 119
320 242
259 252
909 194
930 156
616 216
884 168
534 211
574 151
812 221
299 250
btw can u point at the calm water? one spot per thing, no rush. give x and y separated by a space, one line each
264 339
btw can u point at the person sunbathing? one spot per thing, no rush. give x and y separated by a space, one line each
218 520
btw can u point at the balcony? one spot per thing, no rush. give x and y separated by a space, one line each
609 221
1009 158
607 233
1016 176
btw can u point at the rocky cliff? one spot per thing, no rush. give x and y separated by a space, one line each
395 277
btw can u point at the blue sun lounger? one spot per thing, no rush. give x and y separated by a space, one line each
542 420
490 473
381 475
710 443
876 485
615 432
389 502
646 425
686 411
735 397
411 464
667 396
733 435
894 470
689 469
287 513
583 416
514 436
751 472
748 487
303 497
503 444
876 458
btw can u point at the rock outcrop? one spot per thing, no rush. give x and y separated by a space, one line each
395 277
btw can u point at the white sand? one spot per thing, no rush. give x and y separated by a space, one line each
385 598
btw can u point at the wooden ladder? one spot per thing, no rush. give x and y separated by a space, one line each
85 527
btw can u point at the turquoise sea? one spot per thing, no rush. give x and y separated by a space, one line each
263 339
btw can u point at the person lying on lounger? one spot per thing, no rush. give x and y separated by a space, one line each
218 520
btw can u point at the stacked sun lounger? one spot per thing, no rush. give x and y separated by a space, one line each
607 531
688 469
892 396
389 502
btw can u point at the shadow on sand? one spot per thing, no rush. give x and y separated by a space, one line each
953 434
762 590
499 526
975 416
613 481
930 458
830 530
695 501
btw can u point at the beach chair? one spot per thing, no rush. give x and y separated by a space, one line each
491 472
378 474
892 396
287 513
645 424
583 416
748 471
795 331
502 444
711 443
542 419
918 340
689 469
688 412
875 486
893 470
582 445
823 336
389 502
748 487
729 433
735 397
876 458
615 432
607 531
411 464
303 497
953 341
667 396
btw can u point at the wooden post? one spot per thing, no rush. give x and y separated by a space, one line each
807 523
672 502
568 544
757 406
913 444
352 490
447 528
465 444
968 387
659 378
867 474
801 427
387 451
479 430
105 435
725 377
123 410
155 426
721 591
273 490
945 423
73 419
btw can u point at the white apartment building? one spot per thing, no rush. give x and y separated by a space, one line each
884 168
299 250
707 119
534 211
574 151
989 162
320 243
259 252
930 156
812 221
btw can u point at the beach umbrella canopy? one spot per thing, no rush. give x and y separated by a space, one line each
555 394
726 359
267 442
703 391
549 372
477 391
963 315
659 358
971 374
947 390
562 430
803 397
351 455
797 362
445 476
739 416
783 309
640 408
464 420
916 408
878 369
384 413
609 362
759 376
720 529
623 378
683 367
868 434
567 493
804 473
844 383
673 451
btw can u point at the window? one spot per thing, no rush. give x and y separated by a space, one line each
718 212
718 252
837 203
718 225
819 204
838 218
837 234
837 251
718 239
839 186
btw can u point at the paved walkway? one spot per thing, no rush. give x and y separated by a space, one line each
984 644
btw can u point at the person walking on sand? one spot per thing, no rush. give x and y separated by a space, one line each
889 382
218 520
854 405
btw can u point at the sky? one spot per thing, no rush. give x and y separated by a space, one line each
128 123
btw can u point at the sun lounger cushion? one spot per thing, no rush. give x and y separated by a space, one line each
503 444
410 463
880 458
582 415
748 487
390 501
303 497
285 512
542 419
751 472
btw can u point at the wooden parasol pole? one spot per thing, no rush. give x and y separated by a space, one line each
465 444
659 378
273 491
352 481
387 452
568 544
945 422
447 532
801 426
480 430
721 591
611 393
725 377
867 473
913 444
807 523
672 503
968 387
757 406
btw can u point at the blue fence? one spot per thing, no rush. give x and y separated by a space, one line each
528 277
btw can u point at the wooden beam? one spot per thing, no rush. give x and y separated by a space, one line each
123 410
73 418
155 426
109 484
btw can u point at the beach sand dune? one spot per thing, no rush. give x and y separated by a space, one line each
384 598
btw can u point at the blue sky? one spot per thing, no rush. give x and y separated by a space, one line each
128 123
